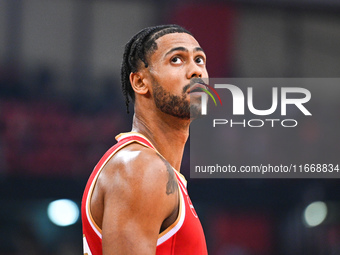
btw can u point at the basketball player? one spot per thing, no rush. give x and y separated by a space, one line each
136 201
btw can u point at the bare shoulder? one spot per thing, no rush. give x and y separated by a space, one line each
139 166
136 179
136 196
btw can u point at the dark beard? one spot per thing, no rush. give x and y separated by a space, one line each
174 105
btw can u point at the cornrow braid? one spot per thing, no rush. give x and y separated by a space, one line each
136 52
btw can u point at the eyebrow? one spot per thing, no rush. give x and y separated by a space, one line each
183 49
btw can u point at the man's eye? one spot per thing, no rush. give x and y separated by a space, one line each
176 60
200 61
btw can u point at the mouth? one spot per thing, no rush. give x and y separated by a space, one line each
197 87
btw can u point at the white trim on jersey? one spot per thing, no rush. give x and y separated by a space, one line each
182 178
179 224
86 248
87 207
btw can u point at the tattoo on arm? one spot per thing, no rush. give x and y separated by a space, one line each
172 182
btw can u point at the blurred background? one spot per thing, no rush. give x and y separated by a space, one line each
61 107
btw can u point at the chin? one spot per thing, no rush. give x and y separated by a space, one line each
195 112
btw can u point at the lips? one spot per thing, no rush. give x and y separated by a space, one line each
197 87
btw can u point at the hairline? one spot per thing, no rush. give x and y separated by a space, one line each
152 51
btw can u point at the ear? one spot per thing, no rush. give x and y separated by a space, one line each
137 83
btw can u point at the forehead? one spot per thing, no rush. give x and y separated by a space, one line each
170 41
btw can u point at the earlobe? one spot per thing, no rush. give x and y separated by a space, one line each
137 83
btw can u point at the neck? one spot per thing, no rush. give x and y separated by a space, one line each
167 133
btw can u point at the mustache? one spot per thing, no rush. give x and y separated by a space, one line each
193 81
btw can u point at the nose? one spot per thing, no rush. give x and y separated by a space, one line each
194 70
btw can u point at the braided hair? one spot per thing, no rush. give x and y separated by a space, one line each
137 51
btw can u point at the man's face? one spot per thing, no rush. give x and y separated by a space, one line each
177 64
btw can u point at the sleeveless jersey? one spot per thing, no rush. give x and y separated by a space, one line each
184 237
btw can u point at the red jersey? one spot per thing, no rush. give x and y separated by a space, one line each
184 237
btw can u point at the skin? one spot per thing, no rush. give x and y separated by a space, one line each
136 196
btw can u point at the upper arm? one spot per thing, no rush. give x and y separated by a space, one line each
139 195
